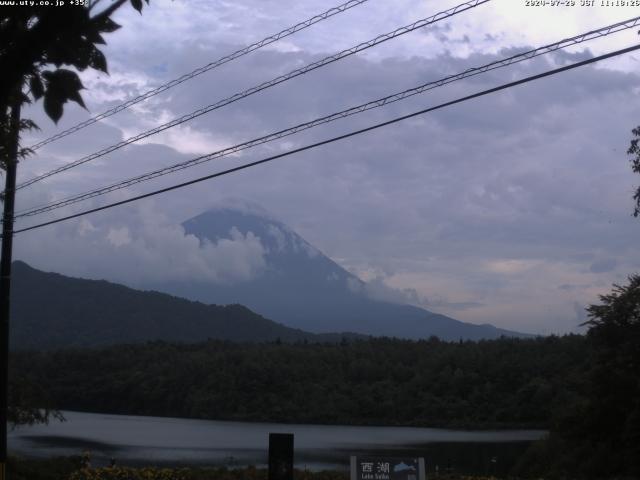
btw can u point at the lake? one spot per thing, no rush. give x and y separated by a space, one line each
136 440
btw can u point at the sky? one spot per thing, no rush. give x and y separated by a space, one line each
513 209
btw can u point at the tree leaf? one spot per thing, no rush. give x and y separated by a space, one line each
81 58
94 37
37 89
98 60
62 85
76 97
53 106
107 25
66 80
28 124
47 75
24 98
137 4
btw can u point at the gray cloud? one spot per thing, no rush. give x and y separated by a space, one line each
581 314
479 210
568 287
378 289
604 265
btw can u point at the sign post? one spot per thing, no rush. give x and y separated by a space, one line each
387 468
280 456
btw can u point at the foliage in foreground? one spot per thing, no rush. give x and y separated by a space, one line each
59 468
599 436
250 473
36 42
602 433
70 468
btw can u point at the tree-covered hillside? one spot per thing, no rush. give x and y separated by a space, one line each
498 383
54 311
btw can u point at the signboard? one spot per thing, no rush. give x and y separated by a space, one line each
387 468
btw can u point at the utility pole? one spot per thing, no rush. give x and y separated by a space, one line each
5 275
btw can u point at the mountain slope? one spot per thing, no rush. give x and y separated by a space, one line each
54 311
303 288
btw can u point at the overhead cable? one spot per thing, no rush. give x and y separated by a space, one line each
338 138
631 23
263 86
199 71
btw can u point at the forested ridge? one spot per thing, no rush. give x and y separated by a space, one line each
497 383
93 313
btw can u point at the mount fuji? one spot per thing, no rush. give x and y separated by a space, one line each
304 289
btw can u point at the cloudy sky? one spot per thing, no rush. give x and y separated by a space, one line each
512 209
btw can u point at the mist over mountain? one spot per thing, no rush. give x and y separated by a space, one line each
302 288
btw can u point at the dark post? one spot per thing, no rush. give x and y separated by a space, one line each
281 456
5 279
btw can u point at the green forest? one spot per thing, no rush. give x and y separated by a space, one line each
502 383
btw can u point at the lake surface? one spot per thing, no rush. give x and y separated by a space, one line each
177 441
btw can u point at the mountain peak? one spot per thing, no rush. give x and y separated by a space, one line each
305 289
233 216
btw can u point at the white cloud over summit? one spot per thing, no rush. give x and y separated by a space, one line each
139 245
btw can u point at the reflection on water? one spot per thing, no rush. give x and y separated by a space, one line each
176 441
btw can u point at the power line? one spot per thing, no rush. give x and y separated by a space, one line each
341 137
198 71
335 116
263 86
